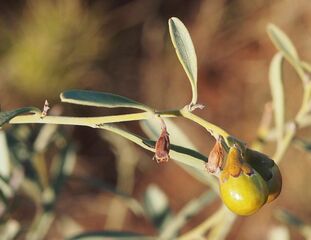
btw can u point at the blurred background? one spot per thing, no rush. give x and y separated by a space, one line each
123 47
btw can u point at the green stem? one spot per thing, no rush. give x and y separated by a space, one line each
40 226
105 123
214 130
95 121
287 139
301 74
130 136
189 210
201 229
79 121
290 134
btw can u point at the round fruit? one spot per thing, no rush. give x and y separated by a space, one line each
269 171
244 194
242 189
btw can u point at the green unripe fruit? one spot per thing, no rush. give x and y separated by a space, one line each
242 189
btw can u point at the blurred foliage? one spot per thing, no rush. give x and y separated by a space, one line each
53 47
40 161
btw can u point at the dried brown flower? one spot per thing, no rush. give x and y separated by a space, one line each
162 147
215 158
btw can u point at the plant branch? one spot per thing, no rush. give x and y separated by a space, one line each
190 209
201 229
93 122
214 130
79 121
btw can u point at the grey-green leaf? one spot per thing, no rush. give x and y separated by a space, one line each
97 235
7 116
283 43
277 91
156 205
100 99
185 51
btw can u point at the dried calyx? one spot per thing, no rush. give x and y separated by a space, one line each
162 146
235 165
215 158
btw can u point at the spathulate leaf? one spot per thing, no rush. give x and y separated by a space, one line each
277 91
97 235
100 99
185 51
283 43
7 116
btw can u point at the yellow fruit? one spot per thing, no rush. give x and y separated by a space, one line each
242 189
244 194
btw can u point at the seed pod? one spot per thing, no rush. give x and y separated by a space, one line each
215 158
242 189
269 171
162 147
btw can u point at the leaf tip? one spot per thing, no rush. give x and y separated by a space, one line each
270 26
173 19
61 96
